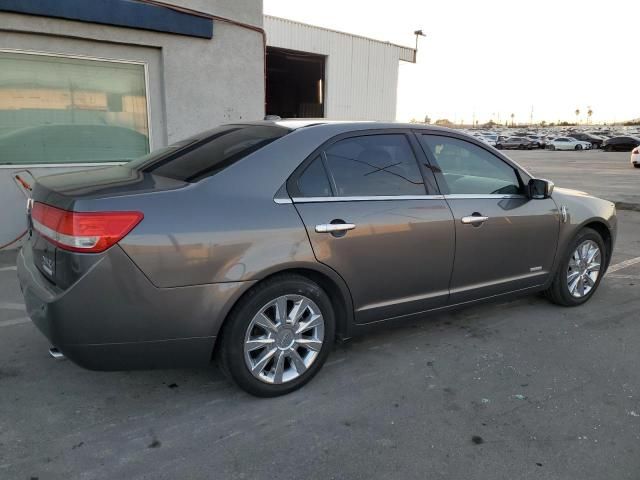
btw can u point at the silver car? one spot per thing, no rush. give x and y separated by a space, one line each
260 243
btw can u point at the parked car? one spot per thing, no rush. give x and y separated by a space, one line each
595 141
635 157
489 139
621 144
520 143
537 141
253 243
568 143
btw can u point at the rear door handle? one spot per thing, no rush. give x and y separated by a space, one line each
474 219
334 227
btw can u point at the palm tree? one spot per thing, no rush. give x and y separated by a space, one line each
589 113
577 114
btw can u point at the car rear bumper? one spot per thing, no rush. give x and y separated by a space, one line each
114 318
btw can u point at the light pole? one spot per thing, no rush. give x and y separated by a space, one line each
417 33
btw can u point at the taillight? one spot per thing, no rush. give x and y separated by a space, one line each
88 232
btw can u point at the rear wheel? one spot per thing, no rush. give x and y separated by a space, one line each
636 165
552 147
278 337
580 271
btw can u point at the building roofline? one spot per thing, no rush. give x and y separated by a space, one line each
395 45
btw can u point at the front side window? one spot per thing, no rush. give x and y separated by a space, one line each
67 110
470 169
374 165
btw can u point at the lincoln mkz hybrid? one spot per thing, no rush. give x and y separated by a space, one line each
260 243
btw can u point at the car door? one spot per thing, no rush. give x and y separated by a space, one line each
504 240
371 217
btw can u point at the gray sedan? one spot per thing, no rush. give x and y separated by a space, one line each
260 243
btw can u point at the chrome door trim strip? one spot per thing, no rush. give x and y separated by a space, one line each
474 196
363 198
370 198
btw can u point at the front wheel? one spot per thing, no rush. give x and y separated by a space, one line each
578 147
580 271
278 336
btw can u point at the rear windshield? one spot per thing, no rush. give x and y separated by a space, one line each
208 153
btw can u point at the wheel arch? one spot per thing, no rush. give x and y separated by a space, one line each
327 279
605 232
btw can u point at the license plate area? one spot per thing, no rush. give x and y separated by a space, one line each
44 255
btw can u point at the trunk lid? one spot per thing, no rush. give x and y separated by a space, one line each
65 191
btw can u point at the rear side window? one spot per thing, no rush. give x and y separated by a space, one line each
314 181
374 165
207 154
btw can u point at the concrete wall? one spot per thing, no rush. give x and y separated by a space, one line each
194 83
361 73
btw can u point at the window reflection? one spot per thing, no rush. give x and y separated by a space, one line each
65 110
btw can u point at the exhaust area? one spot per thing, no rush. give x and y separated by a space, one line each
55 353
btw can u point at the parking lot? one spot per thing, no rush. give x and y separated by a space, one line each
515 390
606 175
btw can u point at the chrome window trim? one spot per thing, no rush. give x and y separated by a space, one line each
488 196
370 198
366 198
145 66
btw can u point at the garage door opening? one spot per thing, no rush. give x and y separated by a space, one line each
295 84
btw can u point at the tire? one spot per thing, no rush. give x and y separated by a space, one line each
552 147
241 327
608 148
559 291
636 165
498 146
578 147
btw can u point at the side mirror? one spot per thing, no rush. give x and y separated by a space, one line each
539 188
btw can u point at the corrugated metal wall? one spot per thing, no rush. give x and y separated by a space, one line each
361 73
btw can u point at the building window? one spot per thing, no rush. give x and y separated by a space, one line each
56 109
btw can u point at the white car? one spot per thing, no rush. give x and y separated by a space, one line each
635 157
568 143
489 139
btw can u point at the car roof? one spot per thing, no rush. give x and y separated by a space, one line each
343 126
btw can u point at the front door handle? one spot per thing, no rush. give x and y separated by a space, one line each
474 219
334 227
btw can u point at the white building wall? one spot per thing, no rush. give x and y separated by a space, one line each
361 74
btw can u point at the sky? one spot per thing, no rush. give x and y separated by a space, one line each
491 58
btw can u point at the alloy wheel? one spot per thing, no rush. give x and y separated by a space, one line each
284 339
584 269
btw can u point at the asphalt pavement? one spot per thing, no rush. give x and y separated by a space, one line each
605 175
